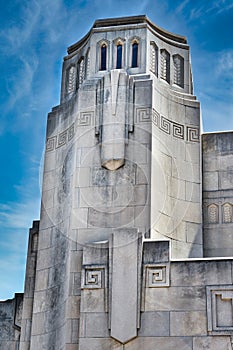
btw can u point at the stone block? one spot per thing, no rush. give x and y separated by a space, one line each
48 198
188 323
175 299
86 237
210 181
79 218
96 197
211 343
45 239
154 324
155 252
39 324
73 307
163 343
193 232
93 300
99 344
75 261
96 325
193 192
41 279
123 216
143 174
200 273
176 188
83 177
226 179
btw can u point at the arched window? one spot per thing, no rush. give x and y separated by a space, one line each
103 57
178 63
227 213
213 214
71 80
165 65
119 56
134 55
154 58
81 71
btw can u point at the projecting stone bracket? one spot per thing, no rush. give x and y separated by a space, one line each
125 284
114 117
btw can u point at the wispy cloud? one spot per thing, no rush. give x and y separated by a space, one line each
20 84
225 64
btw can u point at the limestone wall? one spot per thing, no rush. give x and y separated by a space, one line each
217 150
10 322
183 304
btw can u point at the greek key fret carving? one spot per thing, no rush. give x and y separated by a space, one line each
192 134
157 275
61 139
143 115
178 130
51 143
165 125
86 119
93 277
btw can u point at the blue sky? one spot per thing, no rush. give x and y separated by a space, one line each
34 35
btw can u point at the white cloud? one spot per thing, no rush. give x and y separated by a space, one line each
20 84
225 64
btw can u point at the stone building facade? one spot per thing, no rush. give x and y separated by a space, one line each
134 245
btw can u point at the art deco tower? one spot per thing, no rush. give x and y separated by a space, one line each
121 184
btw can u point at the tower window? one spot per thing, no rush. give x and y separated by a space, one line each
165 65
213 214
81 73
119 57
135 55
178 63
103 57
227 213
154 58
71 80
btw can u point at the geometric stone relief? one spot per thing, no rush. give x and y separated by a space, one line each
227 213
85 118
168 126
93 277
71 79
157 275
212 212
143 115
60 140
220 309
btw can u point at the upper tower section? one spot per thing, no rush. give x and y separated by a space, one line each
131 44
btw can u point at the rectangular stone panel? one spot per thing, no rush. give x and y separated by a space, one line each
160 343
188 323
154 324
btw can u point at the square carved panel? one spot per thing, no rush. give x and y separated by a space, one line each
220 309
93 277
157 275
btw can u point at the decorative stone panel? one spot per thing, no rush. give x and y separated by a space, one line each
157 275
93 277
220 309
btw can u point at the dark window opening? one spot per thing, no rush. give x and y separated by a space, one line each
135 55
119 57
103 57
